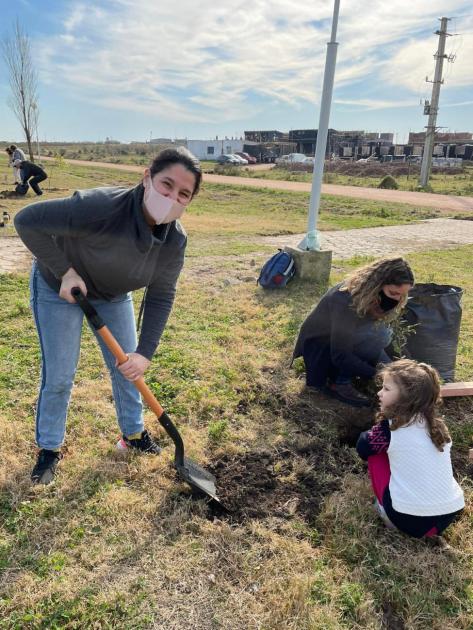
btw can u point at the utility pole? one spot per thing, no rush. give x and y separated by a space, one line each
432 108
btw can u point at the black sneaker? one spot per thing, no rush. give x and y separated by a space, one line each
145 444
45 467
346 393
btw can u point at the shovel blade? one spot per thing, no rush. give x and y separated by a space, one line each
200 479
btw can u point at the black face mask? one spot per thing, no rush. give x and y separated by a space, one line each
386 303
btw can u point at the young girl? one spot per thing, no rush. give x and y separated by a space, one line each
408 453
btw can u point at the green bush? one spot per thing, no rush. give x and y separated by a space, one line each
388 181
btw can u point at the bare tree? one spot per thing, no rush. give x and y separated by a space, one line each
23 82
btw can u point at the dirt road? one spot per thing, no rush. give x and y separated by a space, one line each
441 202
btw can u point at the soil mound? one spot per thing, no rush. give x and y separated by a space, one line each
281 483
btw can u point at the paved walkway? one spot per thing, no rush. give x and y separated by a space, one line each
379 241
393 239
449 203
13 255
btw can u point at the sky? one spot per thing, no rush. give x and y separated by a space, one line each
135 69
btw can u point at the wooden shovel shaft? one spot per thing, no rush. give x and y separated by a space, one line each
115 348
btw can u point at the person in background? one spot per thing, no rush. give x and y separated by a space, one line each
346 334
31 174
408 453
16 171
107 242
17 154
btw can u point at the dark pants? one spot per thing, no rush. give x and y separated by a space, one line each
34 181
369 343
416 526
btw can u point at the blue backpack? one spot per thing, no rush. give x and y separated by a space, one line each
277 271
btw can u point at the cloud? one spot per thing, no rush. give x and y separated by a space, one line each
368 104
211 62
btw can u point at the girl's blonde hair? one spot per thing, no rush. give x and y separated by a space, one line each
365 283
419 395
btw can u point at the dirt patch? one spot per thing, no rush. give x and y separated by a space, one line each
391 621
9 194
294 478
281 484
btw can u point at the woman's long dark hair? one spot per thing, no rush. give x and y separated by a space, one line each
419 397
365 284
179 155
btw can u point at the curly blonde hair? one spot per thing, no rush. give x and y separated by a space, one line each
419 397
365 284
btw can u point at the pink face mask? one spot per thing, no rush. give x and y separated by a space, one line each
162 209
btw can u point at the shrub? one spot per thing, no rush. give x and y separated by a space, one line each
388 181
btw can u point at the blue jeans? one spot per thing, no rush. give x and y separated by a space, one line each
369 343
59 326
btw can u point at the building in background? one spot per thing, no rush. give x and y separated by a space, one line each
211 149
267 145
448 145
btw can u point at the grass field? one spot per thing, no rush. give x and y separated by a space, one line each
116 542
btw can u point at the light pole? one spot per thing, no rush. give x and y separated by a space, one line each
312 240
35 119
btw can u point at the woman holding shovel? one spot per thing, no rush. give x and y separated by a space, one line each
107 242
346 334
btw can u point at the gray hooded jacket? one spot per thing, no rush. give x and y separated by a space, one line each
102 233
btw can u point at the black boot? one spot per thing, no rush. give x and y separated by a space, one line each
145 444
45 467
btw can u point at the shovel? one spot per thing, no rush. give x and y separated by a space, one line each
198 478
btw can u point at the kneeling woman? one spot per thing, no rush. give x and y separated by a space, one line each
346 334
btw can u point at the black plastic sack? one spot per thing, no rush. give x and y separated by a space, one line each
435 310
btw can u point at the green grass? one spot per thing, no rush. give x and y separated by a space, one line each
116 542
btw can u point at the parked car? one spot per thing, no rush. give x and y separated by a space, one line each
227 158
371 158
240 160
282 159
296 158
309 160
291 158
268 158
246 156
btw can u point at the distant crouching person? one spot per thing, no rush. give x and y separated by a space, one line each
31 174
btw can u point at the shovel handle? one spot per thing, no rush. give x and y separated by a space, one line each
115 348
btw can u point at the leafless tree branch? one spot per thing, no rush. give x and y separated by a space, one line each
23 101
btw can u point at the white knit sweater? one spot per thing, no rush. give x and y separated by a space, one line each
422 482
